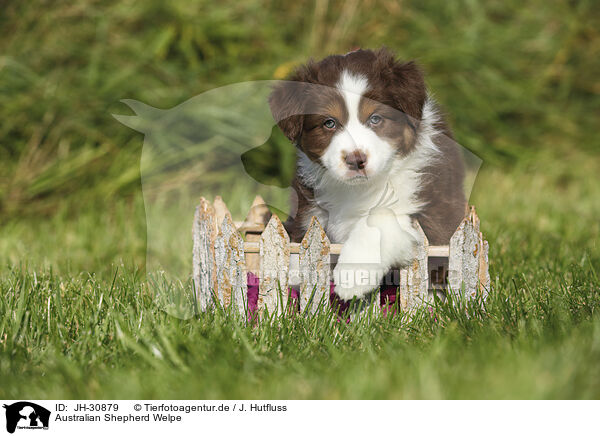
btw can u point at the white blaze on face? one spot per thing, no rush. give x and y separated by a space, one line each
356 136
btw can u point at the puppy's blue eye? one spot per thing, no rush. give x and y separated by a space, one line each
329 123
374 119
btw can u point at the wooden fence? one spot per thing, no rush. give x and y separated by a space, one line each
225 252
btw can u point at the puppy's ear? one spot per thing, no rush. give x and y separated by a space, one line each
408 89
405 81
287 102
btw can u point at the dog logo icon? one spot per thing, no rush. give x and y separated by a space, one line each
26 415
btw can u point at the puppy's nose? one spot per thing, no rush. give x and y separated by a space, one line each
356 160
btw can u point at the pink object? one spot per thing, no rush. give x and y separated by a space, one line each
252 296
336 302
387 298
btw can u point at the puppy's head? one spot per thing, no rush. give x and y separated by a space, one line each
352 114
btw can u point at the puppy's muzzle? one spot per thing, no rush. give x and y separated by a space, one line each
356 161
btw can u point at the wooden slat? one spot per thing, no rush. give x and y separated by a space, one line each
204 267
404 290
244 227
314 267
274 265
438 251
484 273
223 289
433 250
259 213
463 261
414 279
220 211
231 269
258 216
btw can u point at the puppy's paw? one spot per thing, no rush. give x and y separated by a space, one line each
348 293
356 280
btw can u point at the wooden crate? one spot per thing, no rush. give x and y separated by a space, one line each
225 252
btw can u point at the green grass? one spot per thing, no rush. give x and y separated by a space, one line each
104 341
77 318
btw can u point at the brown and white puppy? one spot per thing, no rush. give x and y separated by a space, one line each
373 153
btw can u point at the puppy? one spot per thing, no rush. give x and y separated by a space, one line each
373 153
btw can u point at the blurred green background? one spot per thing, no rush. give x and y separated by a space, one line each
519 82
518 79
